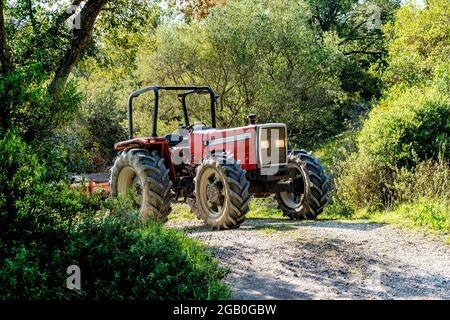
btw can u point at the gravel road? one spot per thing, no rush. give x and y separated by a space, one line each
328 259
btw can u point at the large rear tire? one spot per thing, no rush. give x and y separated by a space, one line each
140 176
221 192
311 187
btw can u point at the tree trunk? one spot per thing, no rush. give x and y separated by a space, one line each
81 38
5 56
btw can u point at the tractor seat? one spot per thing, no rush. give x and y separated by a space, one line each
174 139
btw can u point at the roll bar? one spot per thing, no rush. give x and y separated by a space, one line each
156 89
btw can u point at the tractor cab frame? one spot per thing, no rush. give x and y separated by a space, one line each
188 90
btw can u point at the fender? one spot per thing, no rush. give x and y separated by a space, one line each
159 144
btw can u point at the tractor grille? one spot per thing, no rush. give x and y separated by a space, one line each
272 146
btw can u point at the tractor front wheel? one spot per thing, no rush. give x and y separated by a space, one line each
142 178
311 188
221 192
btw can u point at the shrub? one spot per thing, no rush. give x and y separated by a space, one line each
46 227
401 132
31 207
28 108
117 263
153 263
428 213
411 125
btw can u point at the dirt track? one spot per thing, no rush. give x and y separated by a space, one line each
281 259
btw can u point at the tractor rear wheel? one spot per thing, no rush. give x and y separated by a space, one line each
141 177
221 192
311 188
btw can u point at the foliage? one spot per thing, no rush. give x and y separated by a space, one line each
156 263
116 264
337 149
44 47
47 227
38 31
27 107
419 51
31 207
357 23
260 58
100 121
402 149
415 128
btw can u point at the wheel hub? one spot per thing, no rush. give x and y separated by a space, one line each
295 198
214 193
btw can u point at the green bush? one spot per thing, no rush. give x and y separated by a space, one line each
117 263
411 125
402 131
46 227
28 108
427 213
153 263
32 207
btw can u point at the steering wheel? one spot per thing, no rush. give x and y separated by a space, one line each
190 128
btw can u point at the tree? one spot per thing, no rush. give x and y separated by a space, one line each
198 9
419 51
357 23
78 43
38 48
5 56
260 57
409 128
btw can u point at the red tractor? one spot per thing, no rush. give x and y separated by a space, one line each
216 171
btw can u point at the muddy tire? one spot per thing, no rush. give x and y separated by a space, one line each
141 176
312 187
221 193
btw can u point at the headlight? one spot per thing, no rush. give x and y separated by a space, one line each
279 143
265 144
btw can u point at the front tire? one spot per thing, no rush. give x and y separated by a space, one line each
311 186
141 176
221 192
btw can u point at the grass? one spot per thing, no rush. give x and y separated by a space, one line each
426 215
430 216
181 212
264 208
